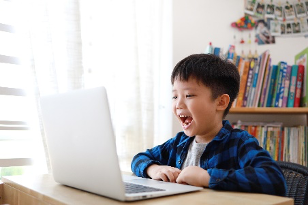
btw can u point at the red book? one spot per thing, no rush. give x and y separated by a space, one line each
299 83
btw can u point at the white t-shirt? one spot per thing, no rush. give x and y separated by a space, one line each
195 151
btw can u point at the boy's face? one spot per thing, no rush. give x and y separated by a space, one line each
195 109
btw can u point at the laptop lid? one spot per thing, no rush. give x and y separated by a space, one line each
82 147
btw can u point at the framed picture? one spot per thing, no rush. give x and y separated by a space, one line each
304 25
279 12
250 6
275 28
300 9
270 11
289 28
282 28
263 34
289 11
296 27
259 10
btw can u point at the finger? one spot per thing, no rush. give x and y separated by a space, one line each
180 180
164 177
170 175
176 174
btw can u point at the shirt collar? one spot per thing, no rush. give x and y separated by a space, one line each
225 130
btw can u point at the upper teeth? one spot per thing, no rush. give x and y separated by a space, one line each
181 115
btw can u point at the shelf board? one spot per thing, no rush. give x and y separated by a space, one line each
268 110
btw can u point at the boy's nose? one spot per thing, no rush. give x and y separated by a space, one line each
179 104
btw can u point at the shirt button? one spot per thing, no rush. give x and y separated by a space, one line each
217 180
179 161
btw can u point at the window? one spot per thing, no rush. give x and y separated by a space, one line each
19 133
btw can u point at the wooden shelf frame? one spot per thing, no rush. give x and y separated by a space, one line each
269 110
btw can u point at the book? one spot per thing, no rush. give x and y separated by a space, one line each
302 59
281 87
264 94
293 79
272 86
299 82
243 81
278 84
263 65
217 51
249 81
286 86
240 68
254 81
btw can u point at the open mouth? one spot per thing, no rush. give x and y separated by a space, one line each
186 120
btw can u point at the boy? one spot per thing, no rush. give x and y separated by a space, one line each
209 152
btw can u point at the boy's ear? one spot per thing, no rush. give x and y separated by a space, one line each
223 102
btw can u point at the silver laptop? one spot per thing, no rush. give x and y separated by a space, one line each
82 148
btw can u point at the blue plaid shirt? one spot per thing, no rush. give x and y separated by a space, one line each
233 159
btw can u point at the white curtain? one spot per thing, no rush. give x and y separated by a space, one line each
124 45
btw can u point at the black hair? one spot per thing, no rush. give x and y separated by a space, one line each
220 75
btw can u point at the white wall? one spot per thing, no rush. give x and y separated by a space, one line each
198 22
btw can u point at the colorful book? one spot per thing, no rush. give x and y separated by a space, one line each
249 81
254 82
264 94
243 81
286 86
272 85
302 59
291 95
263 67
240 68
284 67
278 82
299 83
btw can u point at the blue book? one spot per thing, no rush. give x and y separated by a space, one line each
279 97
271 85
292 88
217 51
277 86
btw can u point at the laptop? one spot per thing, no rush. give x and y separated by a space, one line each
82 148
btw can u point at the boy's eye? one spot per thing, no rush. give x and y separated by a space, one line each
174 97
189 95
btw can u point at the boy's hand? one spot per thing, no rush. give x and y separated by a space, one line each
162 172
194 175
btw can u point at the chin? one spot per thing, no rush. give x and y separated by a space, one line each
189 134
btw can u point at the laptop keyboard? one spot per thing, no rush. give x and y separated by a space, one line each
131 188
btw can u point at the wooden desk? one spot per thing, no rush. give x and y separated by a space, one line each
44 190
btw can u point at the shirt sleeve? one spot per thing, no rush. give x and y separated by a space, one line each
159 155
258 172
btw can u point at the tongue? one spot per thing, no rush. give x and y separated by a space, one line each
188 120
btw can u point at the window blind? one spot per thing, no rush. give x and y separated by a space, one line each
16 136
